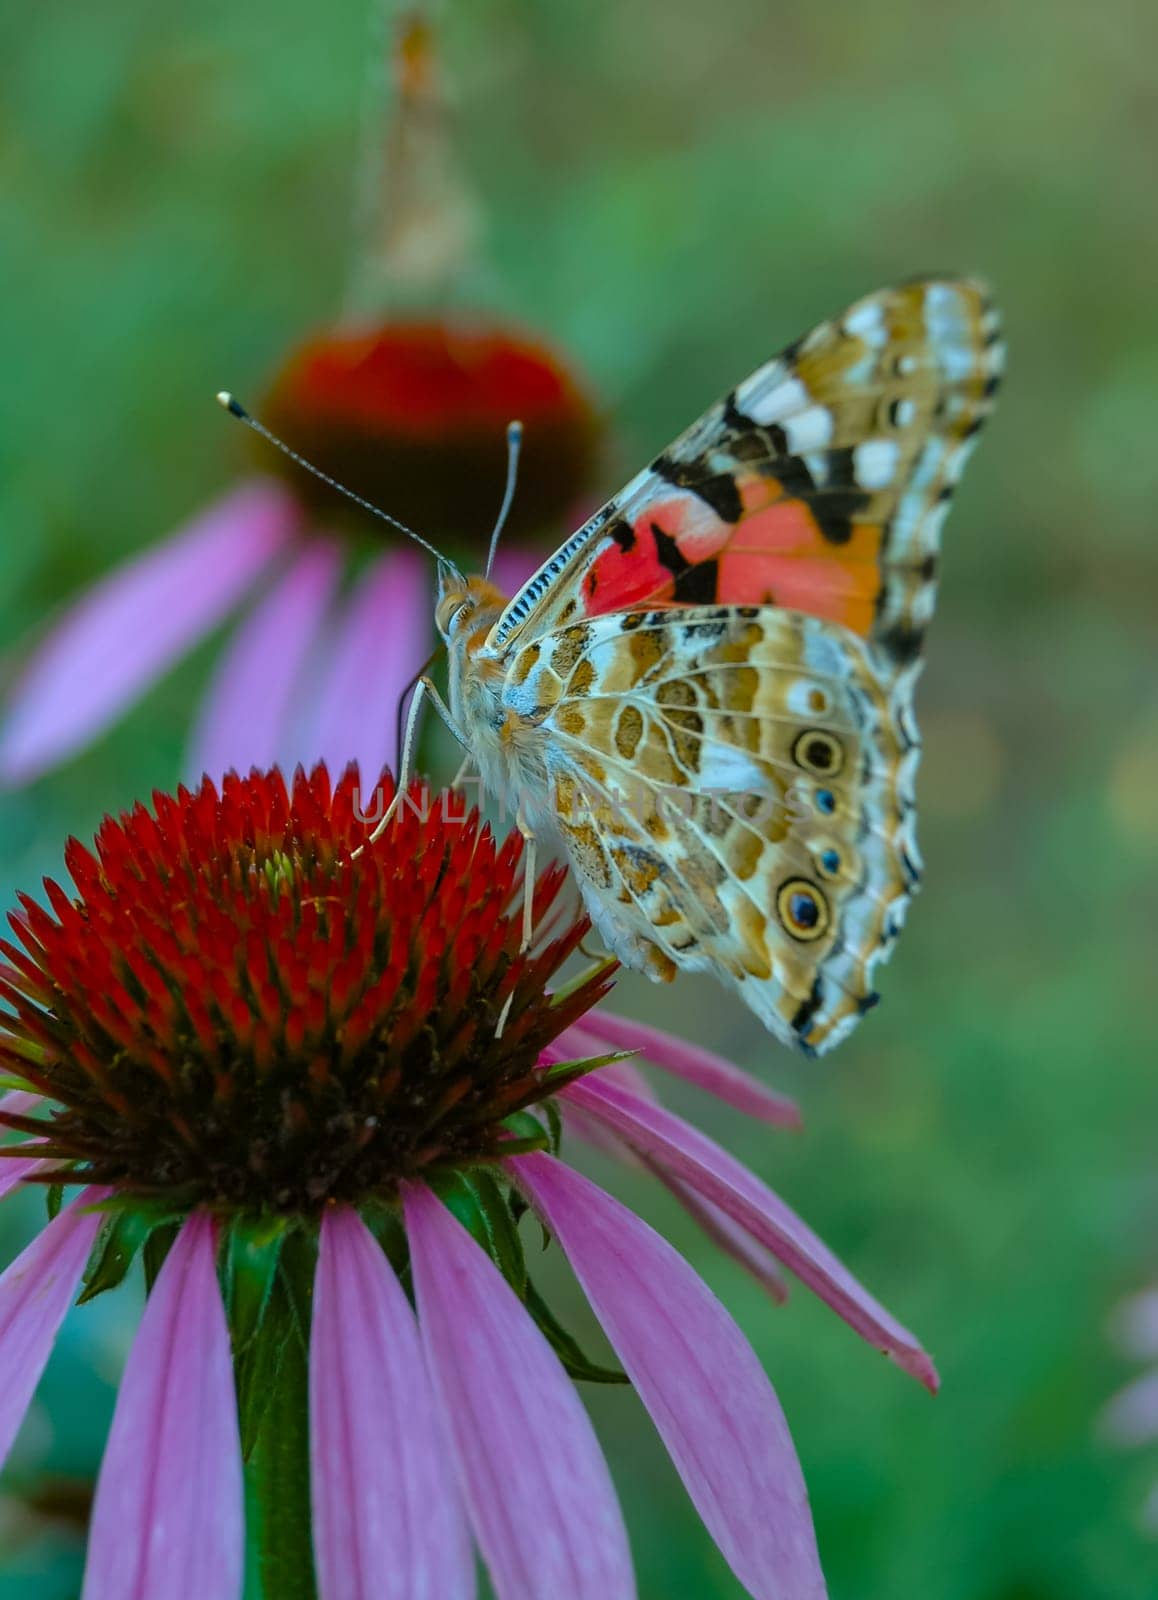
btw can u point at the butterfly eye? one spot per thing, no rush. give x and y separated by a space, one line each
826 801
447 625
817 751
803 909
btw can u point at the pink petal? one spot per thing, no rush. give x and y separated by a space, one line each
697 1375
540 1497
379 643
168 1520
387 1524
732 1239
35 1292
19 1101
1132 1415
14 1170
249 705
597 1136
574 1044
124 633
706 1070
691 1156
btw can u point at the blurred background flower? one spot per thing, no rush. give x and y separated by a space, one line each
406 402
1130 1419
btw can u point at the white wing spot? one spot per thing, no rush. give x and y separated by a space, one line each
812 430
732 771
867 322
777 403
943 302
875 462
958 362
806 699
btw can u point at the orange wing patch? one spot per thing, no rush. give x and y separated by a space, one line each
779 555
680 552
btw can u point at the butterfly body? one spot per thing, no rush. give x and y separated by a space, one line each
704 698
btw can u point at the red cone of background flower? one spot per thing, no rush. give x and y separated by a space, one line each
255 1047
374 410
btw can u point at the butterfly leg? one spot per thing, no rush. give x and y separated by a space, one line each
528 886
598 956
424 689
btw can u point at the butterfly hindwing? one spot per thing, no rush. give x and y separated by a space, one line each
723 780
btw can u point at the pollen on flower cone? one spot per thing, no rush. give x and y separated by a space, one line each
412 415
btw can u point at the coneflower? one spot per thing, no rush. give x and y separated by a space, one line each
402 399
273 1068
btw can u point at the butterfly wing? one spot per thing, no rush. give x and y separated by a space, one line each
725 782
721 662
818 485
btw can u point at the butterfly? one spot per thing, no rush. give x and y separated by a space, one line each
704 698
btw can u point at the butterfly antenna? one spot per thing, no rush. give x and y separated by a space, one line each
514 445
227 402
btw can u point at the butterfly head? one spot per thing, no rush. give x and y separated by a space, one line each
465 603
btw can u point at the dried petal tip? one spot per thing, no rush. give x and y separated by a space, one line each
236 1010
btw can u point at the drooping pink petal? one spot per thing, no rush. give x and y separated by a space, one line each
732 1239
121 635
168 1520
1131 1417
35 1292
573 1044
379 642
247 712
13 1171
540 1497
697 1375
689 1155
387 1523
704 1068
19 1102
598 1136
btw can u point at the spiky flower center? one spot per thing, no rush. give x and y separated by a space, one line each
236 1009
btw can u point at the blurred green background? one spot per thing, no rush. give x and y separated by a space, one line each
673 192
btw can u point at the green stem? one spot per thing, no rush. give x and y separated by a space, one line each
279 1553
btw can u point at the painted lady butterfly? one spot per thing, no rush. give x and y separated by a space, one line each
705 696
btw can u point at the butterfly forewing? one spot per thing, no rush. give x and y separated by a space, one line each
819 484
717 669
